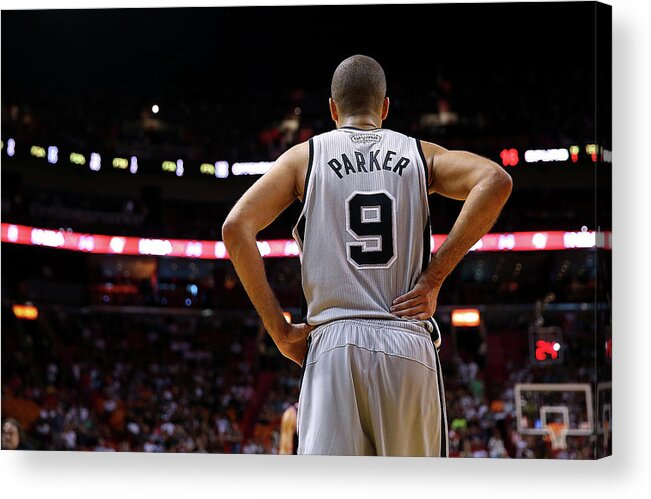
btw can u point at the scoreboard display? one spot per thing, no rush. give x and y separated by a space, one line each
546 345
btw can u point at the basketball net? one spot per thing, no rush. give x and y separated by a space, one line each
557 435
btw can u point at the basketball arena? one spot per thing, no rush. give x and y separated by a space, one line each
128 135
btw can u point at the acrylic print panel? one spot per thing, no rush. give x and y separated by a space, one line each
129 134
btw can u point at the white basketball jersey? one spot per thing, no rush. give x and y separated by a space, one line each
364 231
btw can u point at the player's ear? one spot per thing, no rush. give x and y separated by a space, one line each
334 113
385 108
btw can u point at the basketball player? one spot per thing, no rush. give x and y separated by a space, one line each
372 379
288 433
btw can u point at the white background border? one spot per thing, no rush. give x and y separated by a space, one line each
627 474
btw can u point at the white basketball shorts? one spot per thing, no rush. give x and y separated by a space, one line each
372 387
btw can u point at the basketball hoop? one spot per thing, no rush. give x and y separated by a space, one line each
557 434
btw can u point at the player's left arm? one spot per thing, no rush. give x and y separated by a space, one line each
255 210
484 187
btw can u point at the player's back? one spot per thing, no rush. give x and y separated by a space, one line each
364 230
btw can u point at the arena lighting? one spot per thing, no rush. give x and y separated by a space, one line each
179 168
120 163
466 317
77 158
11 147
155 109
207 169
221 169
37 151
27 312
252 168
52 155
546 155
45 237
215 250
583 239
158 247
95 162
133 165
591 150
12 233
169 166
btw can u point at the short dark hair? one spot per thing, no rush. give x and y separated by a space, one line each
358 85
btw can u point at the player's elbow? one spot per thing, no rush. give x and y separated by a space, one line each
232 229
501 182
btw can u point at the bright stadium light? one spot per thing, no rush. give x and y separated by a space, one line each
579 239
95 162
12 233
252 168
28 312
11 147
37 151
546 155
221 169
52 155
169 166
466 317
155 109
77 159
539 240
120 163
207 169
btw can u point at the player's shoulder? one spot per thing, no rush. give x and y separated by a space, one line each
294 160
430 149
398 134
297 152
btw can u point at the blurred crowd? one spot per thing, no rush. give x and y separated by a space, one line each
137 383
145 382
213 123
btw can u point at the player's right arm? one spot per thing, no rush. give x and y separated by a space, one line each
287 430
269 196
484 187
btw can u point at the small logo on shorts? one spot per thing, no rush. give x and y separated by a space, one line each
365 138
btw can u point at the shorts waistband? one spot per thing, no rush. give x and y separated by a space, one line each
424 328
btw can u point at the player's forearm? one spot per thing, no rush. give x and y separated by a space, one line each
478 214
285 446
243 251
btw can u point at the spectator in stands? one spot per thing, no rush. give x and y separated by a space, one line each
13 437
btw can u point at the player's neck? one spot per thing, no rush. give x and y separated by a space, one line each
367 122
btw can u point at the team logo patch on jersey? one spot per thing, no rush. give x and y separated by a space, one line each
365 138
